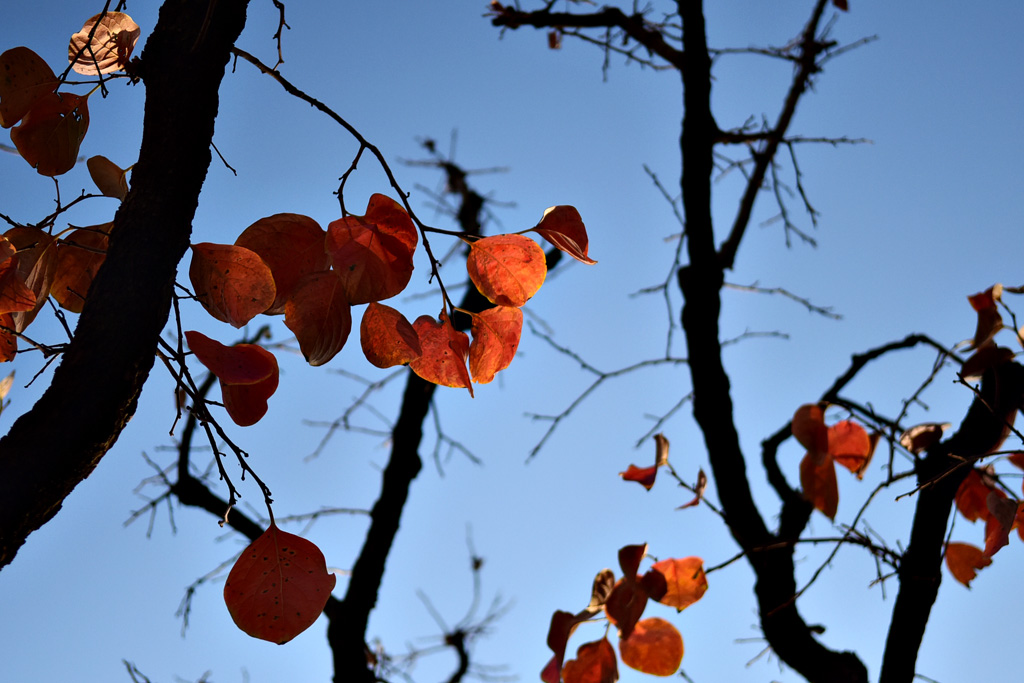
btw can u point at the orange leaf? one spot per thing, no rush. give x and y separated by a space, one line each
445 351
15 295
819 484
595 663
319 315
563 227
496 333
373 253
808 426
108 176
248 375
387 338
8 340
50 134
278 586
292 246
1002 514
37 265
642 475
850 446
26 78
507 269
625 605
79 257
971 497
232 283
655 647
963 560
676 582
113 40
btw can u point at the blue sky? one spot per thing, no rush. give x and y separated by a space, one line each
927 213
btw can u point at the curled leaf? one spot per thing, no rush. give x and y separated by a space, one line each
319 316
104 45
248 375
109 177
563 227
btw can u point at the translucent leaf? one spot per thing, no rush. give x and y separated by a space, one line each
319 316
676 582
563 227
15 295
278 586
387 338
292 246
50 134
109 177
972 495
26 78
79 257
809 428
111 46
818 482
850 446
496 332
507 269
645 476
654 647
37 265
248 375
445 351
232 283
964 560
595 663
373 253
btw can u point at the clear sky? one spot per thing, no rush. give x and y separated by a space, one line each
927 213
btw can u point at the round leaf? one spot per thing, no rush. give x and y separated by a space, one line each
232 283
292 246
26 78
507 269
654 647
50 134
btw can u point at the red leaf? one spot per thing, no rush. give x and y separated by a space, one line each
37 265
445 351
373 253
642 475
232 283
989 320
562 626
625 605
50 134
110 47
387 338
972 495
963 560
15 295
248 375
850 446
278 586
676 582
292 246
108 176
496 333
819 484
79 257
563 227
26 78
8 340
654 647
595 663
1002 514
319 315
841 5
507 269
630 557
808 426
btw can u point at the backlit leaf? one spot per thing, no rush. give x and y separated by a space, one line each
563 227
654 647
645 476
372 254
278 586
972 495
809 428
818 482
920 437
683 580
292 246
37 265
8 340
319 316
698 491
850 446
50 134
113 40
496 333
387 338
248 375
26 77
232 283
79 256
445 351
507 269
1002 515
109 177
15 295
595 663
963 560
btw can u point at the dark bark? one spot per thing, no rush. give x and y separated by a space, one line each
59 442
939 475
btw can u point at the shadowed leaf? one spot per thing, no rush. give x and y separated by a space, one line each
319 316
114 35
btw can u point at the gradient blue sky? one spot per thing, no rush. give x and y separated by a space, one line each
912 223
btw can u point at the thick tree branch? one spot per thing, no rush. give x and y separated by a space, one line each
59 442
939 475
